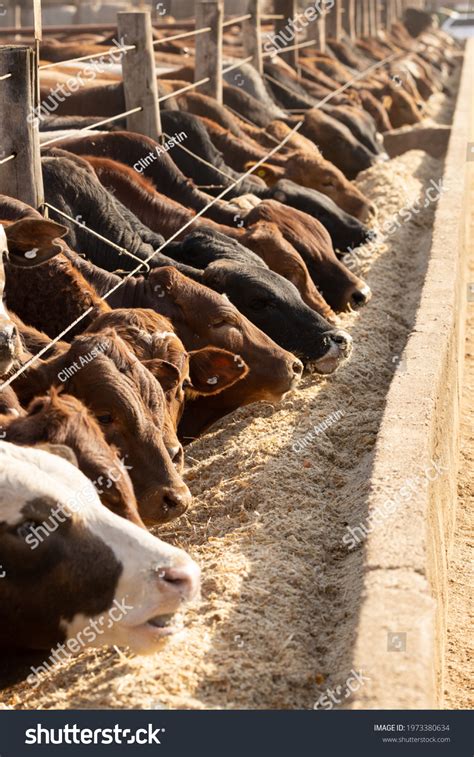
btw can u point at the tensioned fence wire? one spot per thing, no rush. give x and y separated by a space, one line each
143 263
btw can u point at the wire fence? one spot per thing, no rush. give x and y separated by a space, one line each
143 265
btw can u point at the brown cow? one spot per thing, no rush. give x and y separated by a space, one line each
129 405
202 317
63 419
339 286
152 338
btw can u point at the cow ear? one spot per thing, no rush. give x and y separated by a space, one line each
61 450
166 373
265 172
212 369
162 279
32 241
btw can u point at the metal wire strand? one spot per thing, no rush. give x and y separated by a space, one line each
237 64
183 89
183 35
109 52
308 43
136 270
10 157
236 20
94 126
120 250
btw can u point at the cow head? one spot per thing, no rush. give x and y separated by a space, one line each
28 242
337 143
181 374
76 571
325 177
58 418
202 317
274 304
129 404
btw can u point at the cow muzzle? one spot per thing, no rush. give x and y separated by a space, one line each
8 346
339 348
164 504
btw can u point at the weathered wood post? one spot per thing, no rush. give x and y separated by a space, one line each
358 18
387 14
20 176
316 29
376 16
334 21
348 18
208 62
365 17
252 35
284 28
139 76
370 17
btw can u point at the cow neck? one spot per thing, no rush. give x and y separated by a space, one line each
126 296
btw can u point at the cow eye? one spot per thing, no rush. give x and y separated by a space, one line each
105 419
261 303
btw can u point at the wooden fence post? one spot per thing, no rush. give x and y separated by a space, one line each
139 75
334 21
358 18
21 176
386 17
377 16
252 35
365 11
316 29
348 18
284 27
209 47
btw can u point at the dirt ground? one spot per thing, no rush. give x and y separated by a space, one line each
279 610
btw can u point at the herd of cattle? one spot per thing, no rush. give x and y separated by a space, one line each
230 312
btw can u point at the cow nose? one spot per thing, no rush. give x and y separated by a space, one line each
7 334
360 297
185 579
177 456
342 339
175 503
297 367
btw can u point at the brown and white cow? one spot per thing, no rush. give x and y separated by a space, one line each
67 562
